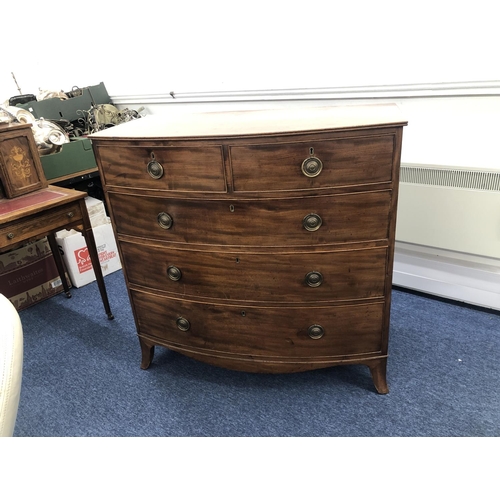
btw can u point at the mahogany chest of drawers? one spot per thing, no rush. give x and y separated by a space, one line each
260 241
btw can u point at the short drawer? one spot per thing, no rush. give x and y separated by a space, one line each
312 165
268 222
33 226
261 331
245 276
193 169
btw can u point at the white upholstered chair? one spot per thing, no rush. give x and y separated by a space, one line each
11 365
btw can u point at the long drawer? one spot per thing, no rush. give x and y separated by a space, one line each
261 331
267 222
246 276
51 220
313 164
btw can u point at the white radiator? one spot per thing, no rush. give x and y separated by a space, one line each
448 233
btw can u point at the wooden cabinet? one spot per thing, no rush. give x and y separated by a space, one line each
260 241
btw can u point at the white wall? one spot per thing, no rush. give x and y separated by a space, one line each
453 131
149 47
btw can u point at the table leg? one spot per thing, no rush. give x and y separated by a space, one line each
94 257
59 263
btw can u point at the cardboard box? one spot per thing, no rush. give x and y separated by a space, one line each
29 274
76 255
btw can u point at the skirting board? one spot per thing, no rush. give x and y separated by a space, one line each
465 278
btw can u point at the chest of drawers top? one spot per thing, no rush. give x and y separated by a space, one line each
255 122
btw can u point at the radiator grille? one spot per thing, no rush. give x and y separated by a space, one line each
451 177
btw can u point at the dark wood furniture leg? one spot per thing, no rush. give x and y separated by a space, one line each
148 351
59 263
94 257
378 370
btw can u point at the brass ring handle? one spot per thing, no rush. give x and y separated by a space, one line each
10 236
165 220
183 324
315 331
314 279
312 222
174 273
70 215
312 166
155 169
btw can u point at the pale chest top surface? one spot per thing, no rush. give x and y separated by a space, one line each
252 122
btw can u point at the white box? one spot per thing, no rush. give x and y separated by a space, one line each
76 255
96 211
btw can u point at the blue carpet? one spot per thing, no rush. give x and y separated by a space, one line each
82 378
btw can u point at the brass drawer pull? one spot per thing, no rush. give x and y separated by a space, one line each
312 166
10 236
314 279
174 273
183 324
155 169
315 331
312 222
165 220
70 215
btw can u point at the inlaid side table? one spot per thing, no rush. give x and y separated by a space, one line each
42 213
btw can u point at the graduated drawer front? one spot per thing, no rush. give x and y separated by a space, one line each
247 276
51 220
261 331
188 169
276 167
268 222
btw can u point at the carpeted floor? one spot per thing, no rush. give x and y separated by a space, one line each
82 378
